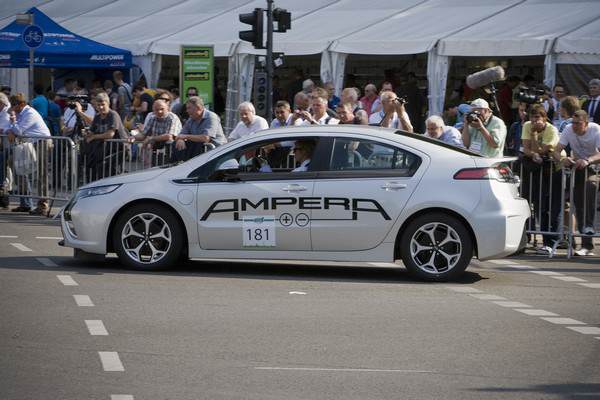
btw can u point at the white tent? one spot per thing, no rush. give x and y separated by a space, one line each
563 30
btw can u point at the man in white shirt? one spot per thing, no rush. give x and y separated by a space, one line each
584 138
283 115
25 121
4 124
392 115
319 114
249 122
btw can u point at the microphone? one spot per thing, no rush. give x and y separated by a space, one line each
485 77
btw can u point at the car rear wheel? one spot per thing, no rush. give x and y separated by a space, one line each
436 247
148 237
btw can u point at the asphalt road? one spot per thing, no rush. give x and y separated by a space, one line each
525 328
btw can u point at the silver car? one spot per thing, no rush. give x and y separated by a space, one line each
332 193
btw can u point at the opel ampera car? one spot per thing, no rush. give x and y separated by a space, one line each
332 193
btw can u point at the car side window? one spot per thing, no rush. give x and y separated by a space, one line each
274 156
366 155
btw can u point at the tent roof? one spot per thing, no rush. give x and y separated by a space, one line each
529 28
459 27
584 40
417 28
60 49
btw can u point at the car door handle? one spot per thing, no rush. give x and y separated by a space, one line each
393 186
294 188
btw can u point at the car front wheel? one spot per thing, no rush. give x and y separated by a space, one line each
148 237
436 247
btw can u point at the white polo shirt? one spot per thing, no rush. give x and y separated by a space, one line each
241 129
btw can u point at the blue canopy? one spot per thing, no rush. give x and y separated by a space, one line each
60 49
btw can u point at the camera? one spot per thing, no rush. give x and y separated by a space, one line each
530 95
401 100
80 98
473 115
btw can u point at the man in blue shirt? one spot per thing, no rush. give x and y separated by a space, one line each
40 102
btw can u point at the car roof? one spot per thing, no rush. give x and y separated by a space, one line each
376 132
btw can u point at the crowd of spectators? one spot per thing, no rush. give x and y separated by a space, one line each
155 126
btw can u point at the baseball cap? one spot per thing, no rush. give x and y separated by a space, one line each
480 103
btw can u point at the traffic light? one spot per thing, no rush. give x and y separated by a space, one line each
254 36
283 19
260 93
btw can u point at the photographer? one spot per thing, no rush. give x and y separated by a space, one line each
78 109
482 132
540 175
393 114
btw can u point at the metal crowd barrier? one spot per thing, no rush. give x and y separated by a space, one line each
54 168
37 168
563 202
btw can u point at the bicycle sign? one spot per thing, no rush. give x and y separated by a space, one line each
33 36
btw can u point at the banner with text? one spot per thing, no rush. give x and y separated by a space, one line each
196 70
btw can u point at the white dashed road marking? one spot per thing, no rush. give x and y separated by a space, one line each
83 300
568 279
511 304
49 237
543 314
21 247
547 273
383 264
8 237
563 321
121 397
586 330
96 327
111 361
46 262
342 370
517 266
297 292
67 280
536 312
483 296
461 289
591 285
502 262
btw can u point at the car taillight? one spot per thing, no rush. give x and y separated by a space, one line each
499 172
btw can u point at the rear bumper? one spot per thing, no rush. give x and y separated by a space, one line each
499 229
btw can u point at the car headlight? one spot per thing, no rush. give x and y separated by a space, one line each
95 191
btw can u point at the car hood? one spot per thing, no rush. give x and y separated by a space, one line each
138 176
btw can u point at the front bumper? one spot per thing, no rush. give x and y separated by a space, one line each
84 224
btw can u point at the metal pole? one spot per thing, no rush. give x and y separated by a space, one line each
31 55
269 60
31 73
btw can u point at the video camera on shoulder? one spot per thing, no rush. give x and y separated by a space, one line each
530 95
474 115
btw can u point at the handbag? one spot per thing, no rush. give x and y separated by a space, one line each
24 159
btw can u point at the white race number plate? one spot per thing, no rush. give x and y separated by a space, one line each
258 231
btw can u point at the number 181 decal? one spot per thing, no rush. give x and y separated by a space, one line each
258 231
